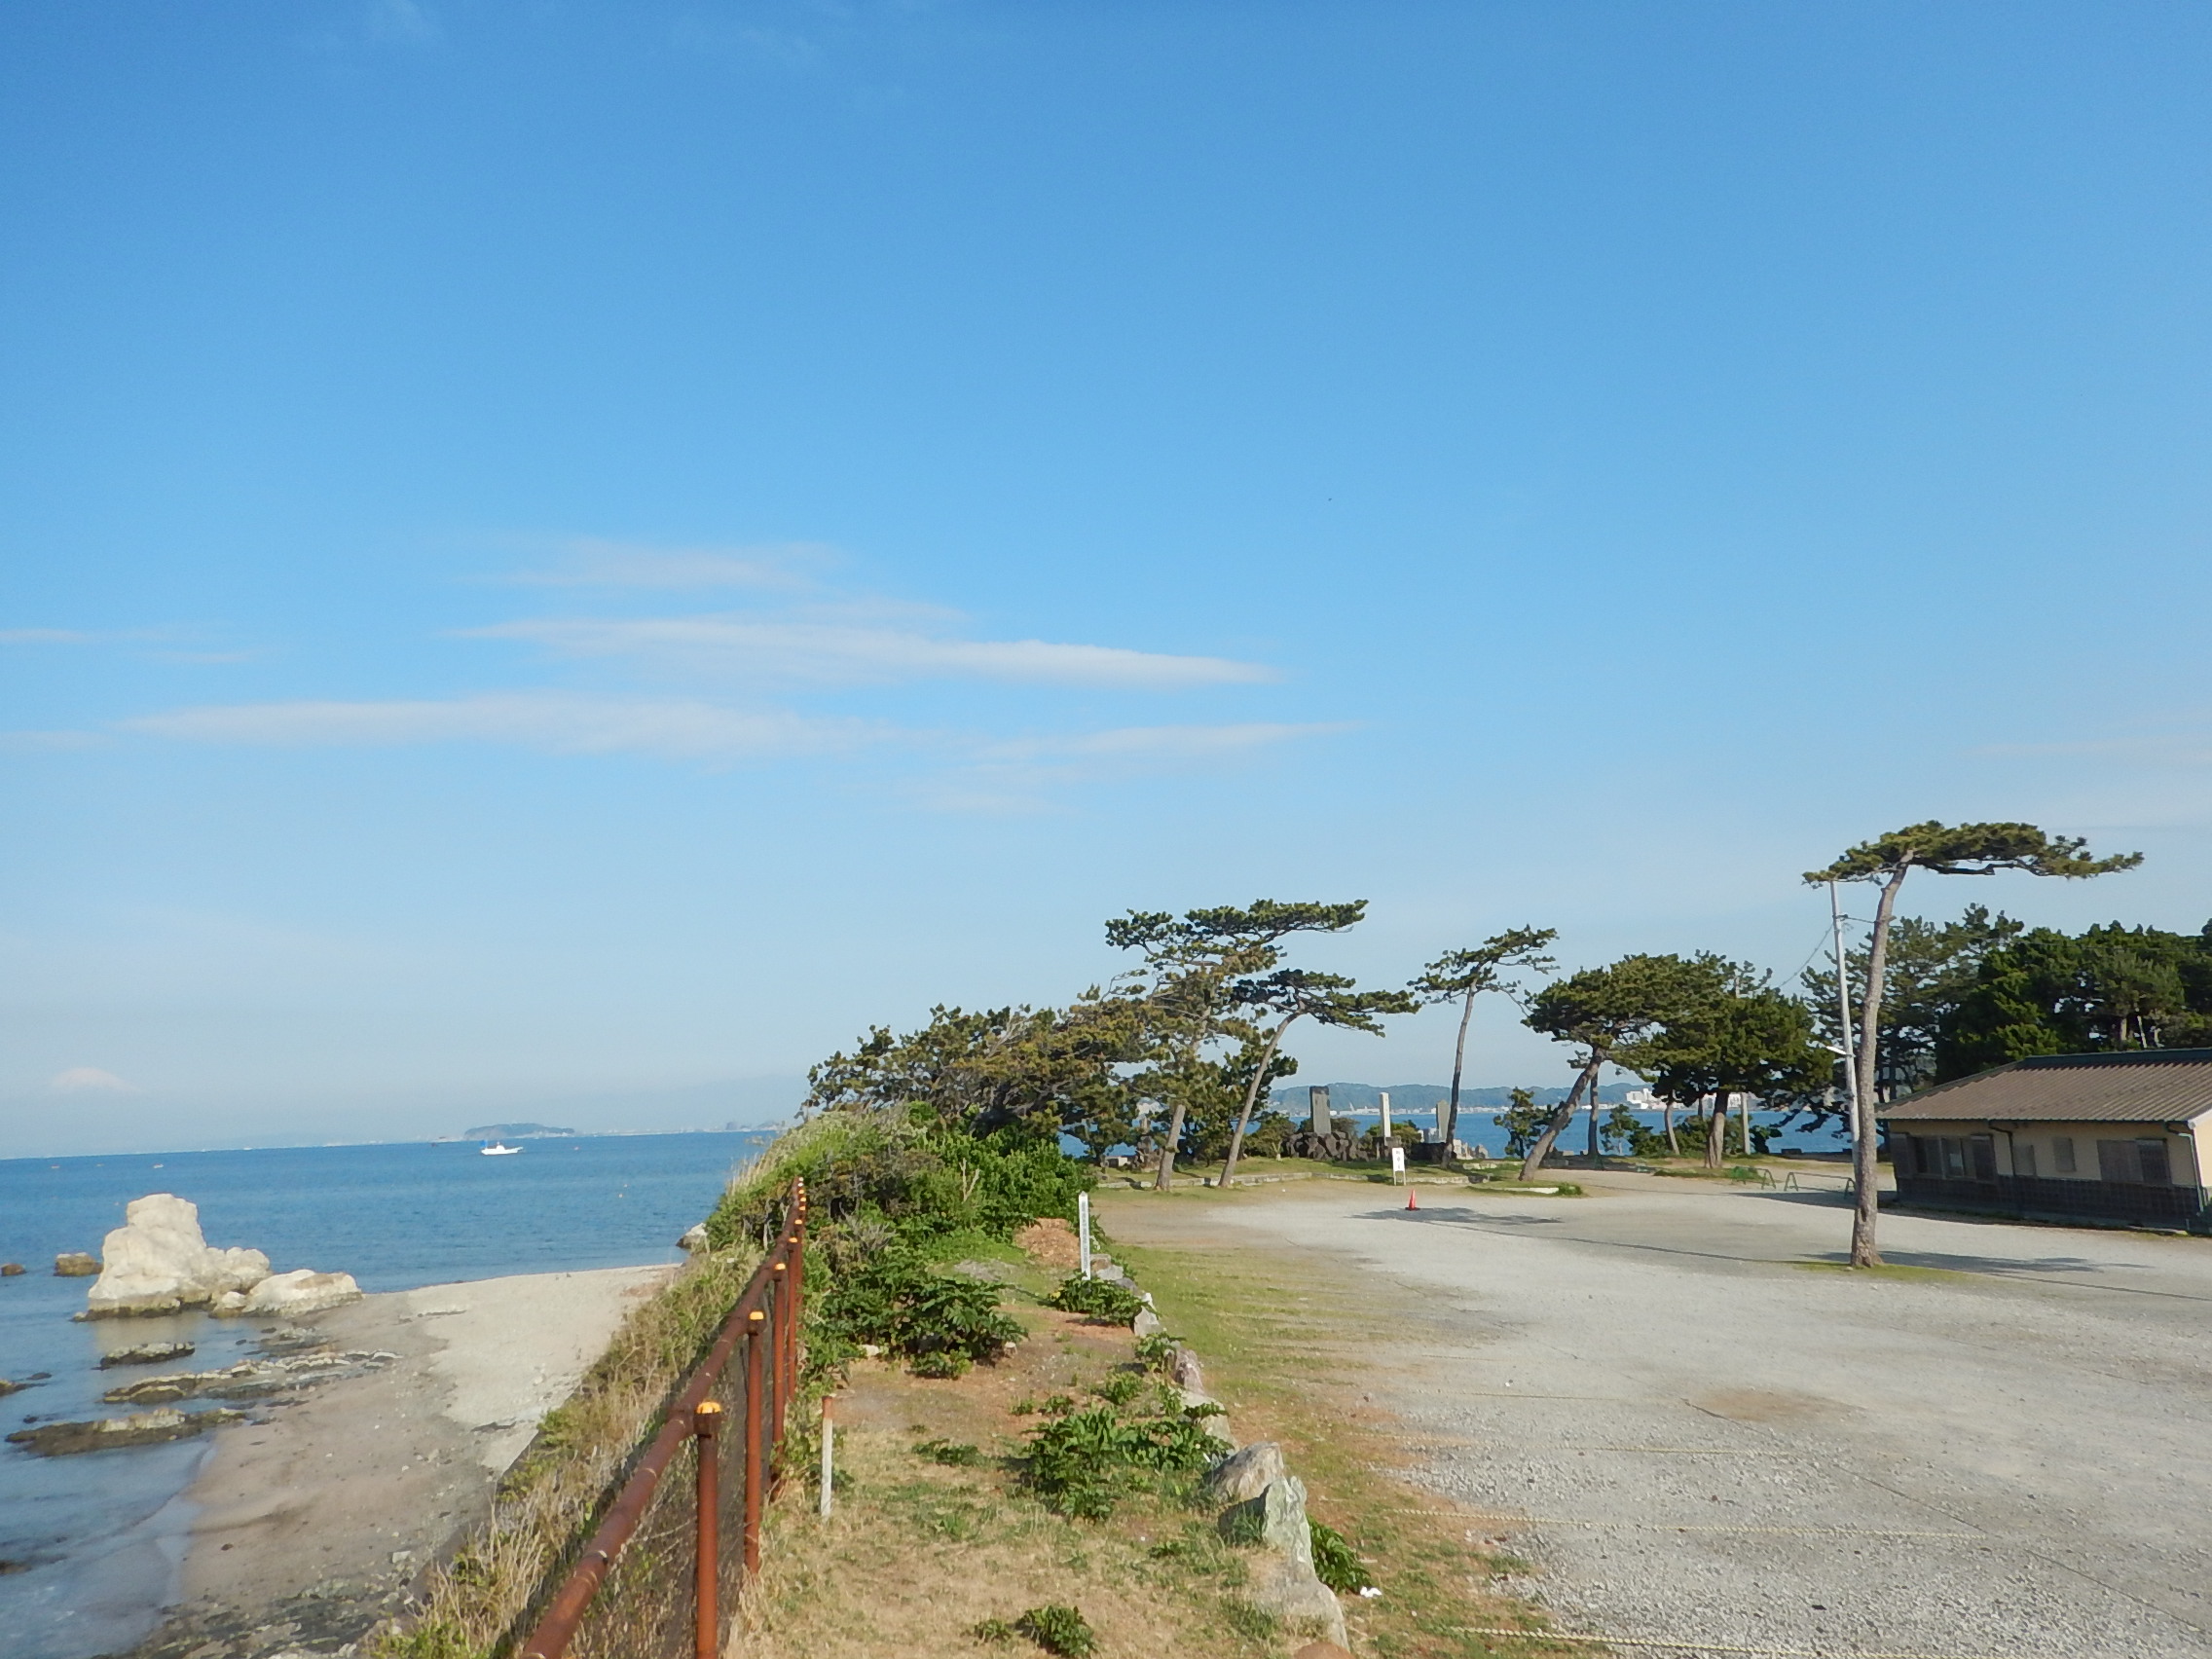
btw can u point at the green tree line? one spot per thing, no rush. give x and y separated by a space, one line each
1176 1054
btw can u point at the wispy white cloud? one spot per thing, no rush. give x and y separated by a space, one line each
554 722
48 637
589 562
828 653
89 1080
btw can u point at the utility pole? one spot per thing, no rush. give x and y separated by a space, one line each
1843 1008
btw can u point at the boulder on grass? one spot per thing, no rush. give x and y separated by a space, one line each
1283 1581
1244 1475
301 1291
158 1262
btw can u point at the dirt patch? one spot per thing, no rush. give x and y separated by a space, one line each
1766 1405
1051 1243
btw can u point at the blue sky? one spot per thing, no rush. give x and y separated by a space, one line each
570 558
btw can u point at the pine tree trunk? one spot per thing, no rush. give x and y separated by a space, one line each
1533 1163
1716 1130
1458 1060
1164 1177
1251 1095
1866 1170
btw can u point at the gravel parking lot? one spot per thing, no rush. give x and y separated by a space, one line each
1710 1441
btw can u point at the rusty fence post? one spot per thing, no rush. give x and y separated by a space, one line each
705 1422
782 1288
755 1433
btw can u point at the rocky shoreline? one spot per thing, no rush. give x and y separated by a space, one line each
353 1450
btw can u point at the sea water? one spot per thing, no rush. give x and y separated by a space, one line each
89 1546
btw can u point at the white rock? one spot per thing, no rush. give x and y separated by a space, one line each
158 1262
694 1239
1146 1324
301 1291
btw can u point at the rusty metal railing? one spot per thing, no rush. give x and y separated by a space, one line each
654 1581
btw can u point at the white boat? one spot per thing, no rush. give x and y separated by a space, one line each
498 1149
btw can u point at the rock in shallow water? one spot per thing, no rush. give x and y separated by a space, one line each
146 1353
107 1435
75 1263
158 1262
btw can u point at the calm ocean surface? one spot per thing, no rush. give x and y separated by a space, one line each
89 1545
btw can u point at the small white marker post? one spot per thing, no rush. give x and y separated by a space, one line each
1083 1230
1397 1163
1386 1094
829 1459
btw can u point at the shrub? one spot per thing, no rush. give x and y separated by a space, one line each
940 1323
1336 1562
1107 1302
1077 1464
1058 1629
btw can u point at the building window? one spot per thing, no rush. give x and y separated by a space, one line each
2024 1160
2062 1154
2135 1163
1981 1156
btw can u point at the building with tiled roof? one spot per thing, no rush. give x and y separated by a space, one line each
2064 1137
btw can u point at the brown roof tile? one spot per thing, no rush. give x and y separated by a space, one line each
2157 1086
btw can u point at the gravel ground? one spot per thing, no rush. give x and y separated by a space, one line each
1703 1435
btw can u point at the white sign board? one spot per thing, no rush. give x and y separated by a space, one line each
1397 1162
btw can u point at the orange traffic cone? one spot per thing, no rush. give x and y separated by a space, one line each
1413 1198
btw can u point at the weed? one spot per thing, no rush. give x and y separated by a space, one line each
1104 1301
1246 1620
1336 1562
951 1453
994 1630
1120 1388
1023 1407
1157 1352
1058 1629
1056 1405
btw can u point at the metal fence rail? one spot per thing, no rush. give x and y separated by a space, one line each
656 1581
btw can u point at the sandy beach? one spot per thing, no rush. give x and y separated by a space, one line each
313 1520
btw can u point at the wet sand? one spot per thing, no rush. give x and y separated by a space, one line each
315 1521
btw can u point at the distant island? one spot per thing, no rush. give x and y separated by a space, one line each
512 1131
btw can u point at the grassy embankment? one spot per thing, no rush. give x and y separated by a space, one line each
929 1547
936 1535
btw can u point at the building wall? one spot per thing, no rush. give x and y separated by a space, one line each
1969 1164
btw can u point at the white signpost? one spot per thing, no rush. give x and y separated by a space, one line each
1397 1162
1083 1230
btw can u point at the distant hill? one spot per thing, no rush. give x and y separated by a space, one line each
512 1131
1427 1096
